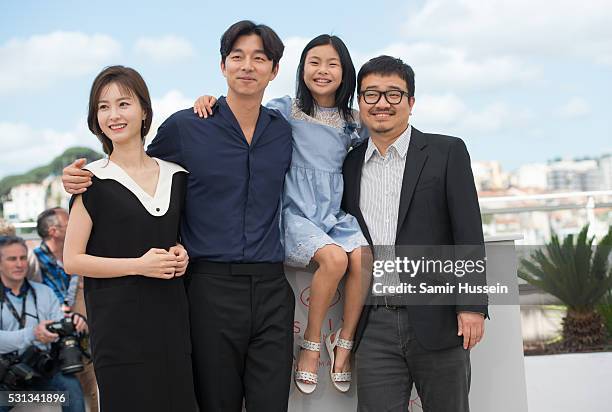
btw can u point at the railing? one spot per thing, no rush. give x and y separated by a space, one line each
575 210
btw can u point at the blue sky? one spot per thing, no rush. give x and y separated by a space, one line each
521 81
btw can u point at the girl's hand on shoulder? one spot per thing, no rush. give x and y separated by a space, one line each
157 263
203 105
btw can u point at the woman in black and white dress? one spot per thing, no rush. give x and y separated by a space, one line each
123 237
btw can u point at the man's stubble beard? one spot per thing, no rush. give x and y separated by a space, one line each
383 131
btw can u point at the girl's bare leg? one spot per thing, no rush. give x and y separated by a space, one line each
333 262
355 288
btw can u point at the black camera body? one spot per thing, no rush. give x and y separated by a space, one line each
41 361
17 371
68 347
8 377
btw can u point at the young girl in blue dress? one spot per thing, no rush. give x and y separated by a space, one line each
315 228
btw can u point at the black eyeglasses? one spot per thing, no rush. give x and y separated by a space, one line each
391 96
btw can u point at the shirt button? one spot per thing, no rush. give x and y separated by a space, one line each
157 209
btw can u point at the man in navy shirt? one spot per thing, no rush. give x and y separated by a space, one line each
241 305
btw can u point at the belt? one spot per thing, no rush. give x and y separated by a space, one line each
390 302
205 267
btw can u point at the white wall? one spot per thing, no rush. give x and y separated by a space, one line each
498 372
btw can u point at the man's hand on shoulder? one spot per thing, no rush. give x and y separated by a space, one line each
471 327
75 179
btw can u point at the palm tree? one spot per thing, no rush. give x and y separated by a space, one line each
605 310
579 275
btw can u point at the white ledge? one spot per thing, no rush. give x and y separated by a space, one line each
503 237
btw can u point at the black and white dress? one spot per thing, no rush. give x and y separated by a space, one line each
139 325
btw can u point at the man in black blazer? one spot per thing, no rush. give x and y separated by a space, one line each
408 188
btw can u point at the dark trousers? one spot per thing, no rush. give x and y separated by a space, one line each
242 339
389 361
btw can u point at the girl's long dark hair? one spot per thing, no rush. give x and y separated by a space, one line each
346 90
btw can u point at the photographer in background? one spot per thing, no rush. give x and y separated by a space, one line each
26 308
46 261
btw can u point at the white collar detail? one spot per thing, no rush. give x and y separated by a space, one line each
156 205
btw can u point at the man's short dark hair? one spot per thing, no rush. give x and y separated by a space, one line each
273 45
47 219
387 66
6 241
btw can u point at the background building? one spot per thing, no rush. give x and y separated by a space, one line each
573 175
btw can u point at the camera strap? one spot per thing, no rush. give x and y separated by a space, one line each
21 318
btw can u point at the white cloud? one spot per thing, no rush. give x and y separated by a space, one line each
447 113
490 119
24 147
605 59
440 110
575 107
38 61
164 106
168 48
284 83
169 103
438 68
541 28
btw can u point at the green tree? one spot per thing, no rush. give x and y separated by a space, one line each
579 275
54 167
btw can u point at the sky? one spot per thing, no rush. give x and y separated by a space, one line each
520 81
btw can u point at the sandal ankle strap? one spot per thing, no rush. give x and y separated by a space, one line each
308 345
346 344
306 376
341 376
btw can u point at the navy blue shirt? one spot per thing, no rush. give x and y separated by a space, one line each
232 206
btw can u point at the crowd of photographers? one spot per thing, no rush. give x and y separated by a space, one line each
43 330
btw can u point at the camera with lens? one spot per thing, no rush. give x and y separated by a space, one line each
17 371
12 375
69 348
40 361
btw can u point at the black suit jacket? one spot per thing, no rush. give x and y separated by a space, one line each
438 206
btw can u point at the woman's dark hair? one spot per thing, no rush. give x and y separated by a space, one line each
346 90
273 45
129 81
387 66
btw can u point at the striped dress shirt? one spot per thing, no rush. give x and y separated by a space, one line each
381 186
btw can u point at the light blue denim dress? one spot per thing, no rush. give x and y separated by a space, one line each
312 217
